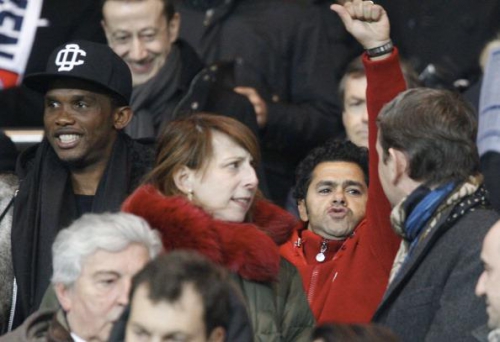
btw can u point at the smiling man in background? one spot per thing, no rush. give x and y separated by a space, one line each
169 79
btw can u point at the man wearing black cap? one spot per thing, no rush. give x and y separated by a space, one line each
84 164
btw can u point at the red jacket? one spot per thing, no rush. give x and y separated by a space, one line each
349 287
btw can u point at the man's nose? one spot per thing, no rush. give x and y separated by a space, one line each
339 197
64 117
123 296
480 285
137 50
364 115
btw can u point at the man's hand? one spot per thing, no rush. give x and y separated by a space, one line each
366 21
259 105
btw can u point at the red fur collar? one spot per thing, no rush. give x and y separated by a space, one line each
248 249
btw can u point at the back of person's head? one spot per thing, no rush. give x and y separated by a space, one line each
353 333
188 142
436 129
167 277
332 151
92 232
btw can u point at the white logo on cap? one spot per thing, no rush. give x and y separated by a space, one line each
67 58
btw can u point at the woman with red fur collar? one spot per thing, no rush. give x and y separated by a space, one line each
202 195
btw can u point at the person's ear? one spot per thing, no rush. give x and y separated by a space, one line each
399 166
63 294
105 28
217 335
301 205
173 27
184 180
122 117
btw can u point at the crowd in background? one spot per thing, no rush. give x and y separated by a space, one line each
330 166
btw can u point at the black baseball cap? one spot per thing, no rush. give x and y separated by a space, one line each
88 61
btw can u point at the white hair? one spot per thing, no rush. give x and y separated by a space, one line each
110 232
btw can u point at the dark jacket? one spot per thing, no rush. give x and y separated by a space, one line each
8 186
481 333
184 85
490 164
46 203
432 296
435 32
271 286
342 43
280 49
433 299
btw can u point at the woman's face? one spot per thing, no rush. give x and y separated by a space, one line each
226 187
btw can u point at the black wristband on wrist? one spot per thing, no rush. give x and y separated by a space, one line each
380 50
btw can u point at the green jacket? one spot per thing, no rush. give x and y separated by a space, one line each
278 311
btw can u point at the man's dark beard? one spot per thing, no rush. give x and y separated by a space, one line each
202 5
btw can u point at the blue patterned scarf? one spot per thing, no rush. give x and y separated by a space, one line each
420 206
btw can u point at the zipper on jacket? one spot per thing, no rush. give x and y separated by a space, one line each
13 306
12 312
314 283
208 16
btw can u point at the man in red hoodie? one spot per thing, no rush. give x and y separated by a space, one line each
343 250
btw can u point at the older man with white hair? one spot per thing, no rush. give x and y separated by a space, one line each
94 261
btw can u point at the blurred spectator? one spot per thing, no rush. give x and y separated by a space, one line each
193 305
473 93
488 136
30 31
352 92
284 65
488 285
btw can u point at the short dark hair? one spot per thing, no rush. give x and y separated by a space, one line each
331 151
353 333
436 129
166 277
168 7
